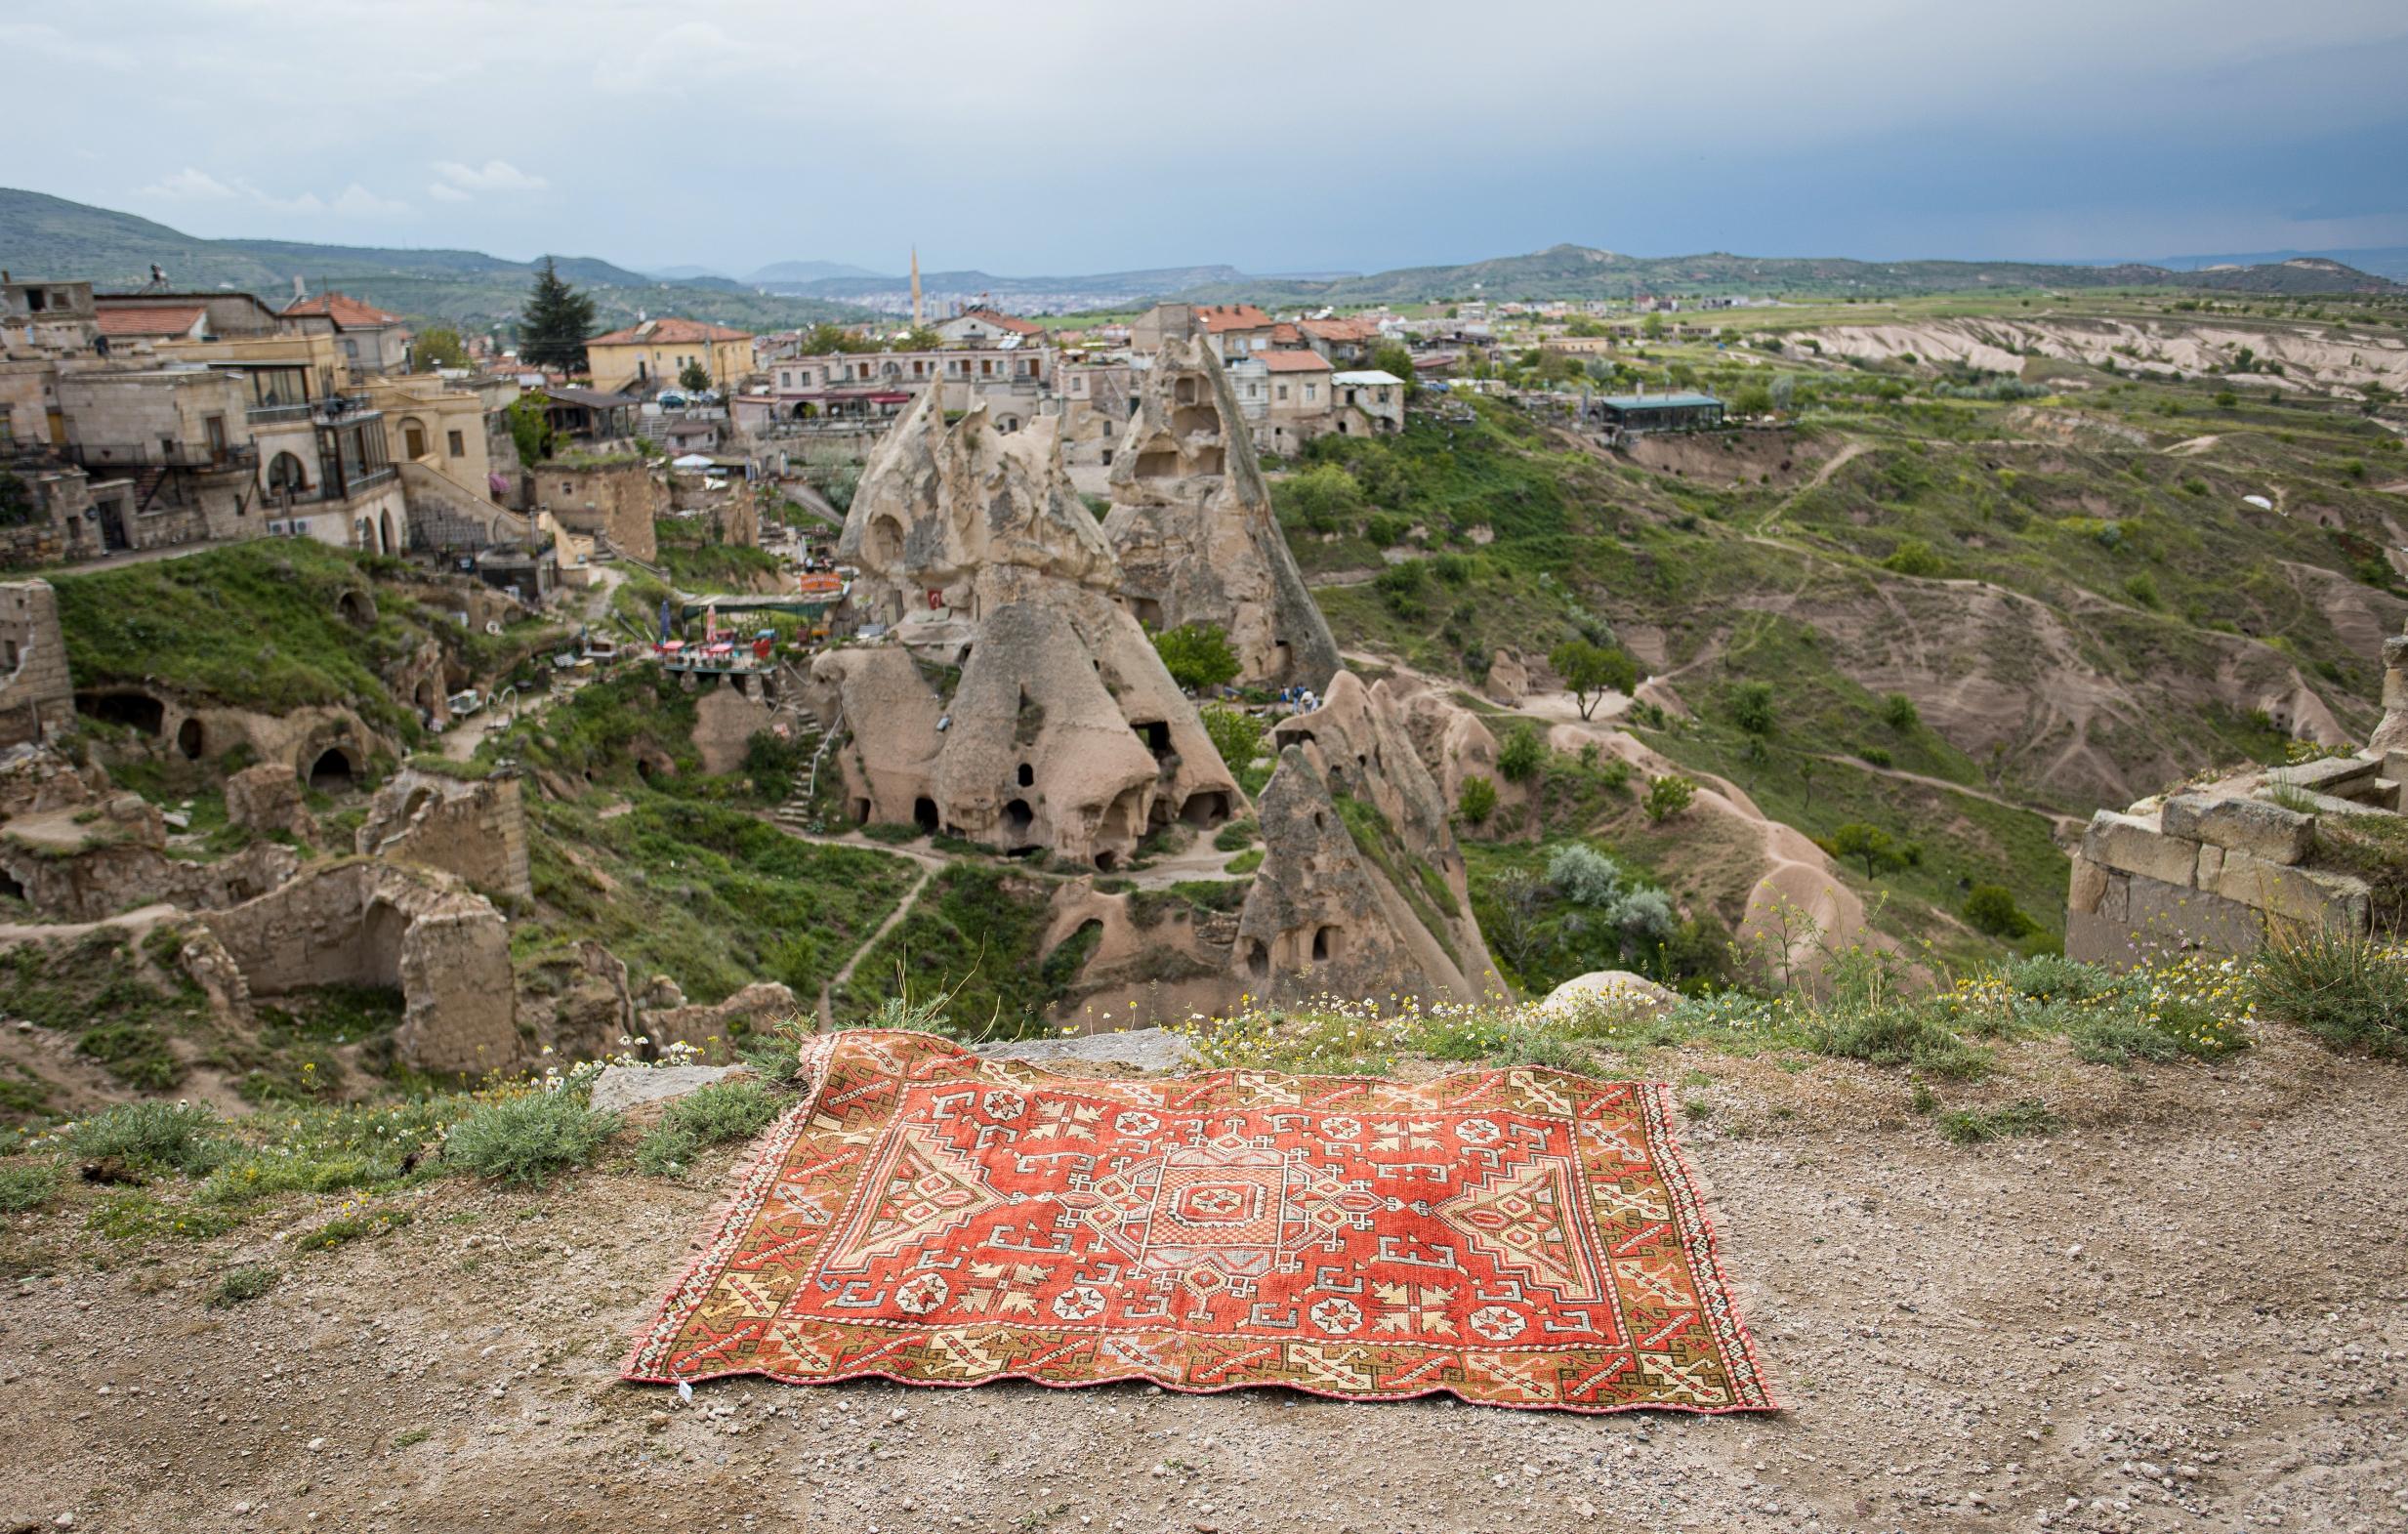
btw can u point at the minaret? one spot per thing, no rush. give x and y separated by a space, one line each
915 287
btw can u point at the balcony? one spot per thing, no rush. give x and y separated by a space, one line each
369 478
165 455
330 411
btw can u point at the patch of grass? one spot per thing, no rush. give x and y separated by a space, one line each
722 1111
2349 990
26 1184
242 1285
527 1138
134 1217
974 933
1973 1126
349 1226
155 1136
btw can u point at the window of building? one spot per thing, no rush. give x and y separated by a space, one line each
1283 392
459 444
1313 392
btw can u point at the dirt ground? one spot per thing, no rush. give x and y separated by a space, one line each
2186 1311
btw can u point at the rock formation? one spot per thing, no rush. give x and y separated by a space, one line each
267 798
476 829
1329 914
1013 700
1191 525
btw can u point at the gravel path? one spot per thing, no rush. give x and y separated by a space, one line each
2190 1311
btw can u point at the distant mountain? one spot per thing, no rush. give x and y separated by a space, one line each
2384 261
1100 287
1576 272
52 237
685 274
813 271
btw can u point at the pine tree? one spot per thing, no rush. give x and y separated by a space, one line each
552 331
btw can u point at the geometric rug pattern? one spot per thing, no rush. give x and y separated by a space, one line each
1512 1236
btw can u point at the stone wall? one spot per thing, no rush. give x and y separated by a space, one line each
617 498
361 923
2215 867
475 831
36 697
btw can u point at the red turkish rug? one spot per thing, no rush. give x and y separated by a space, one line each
1517 1237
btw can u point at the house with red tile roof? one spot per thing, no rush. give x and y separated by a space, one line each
651 355
373 340
986 327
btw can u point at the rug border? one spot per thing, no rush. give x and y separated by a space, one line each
749 1188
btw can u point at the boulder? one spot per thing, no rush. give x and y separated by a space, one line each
641 1093
2249 825
1618 992
1139 1049
1509 680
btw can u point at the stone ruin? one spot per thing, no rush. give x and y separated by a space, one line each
78 849
1012 699
2223 864
36 699
1191 526
473 828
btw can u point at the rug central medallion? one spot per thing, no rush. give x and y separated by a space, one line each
1517 1236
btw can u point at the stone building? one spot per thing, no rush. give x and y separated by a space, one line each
371 340
650 356
36 697
1012 699
1192 529
614 498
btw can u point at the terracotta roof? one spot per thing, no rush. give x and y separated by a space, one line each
1293 361
1011 323
1217 317
1343 329
1284 334
342 309
146 321
670 331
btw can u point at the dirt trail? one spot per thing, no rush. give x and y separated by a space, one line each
2061 821
903 908
2187 1315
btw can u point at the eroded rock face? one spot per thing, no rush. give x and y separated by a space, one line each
1023 706
1327 916
1191 526
714 1027
359 922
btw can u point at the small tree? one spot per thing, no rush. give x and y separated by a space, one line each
1198 655
1390 358
530 430
1592 671
1899 713
1237 734
1522 754
1667 797
552 331
1751 708
1992 909
1867 841
439 347
1479 800
693 378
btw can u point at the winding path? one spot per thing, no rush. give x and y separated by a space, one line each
903 908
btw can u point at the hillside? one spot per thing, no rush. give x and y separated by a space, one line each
1983 607
1576 272
1131 285
53 236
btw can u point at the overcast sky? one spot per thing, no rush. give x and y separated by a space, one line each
1069 135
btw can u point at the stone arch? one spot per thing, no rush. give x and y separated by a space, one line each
386 543
191 739
333 768
1326 942
1208 809
135 710
288 475
1017 817
357 606
924 814
1258 959
414 439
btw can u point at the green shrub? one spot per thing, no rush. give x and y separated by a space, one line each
721 1112
1522 754
1896 1033
1992 909
26 1183
343 1229
527 1139
2347 989
1667 797
1235 734
157 1137
1198 655
1973 1126
242 1285
1478 801
1899 713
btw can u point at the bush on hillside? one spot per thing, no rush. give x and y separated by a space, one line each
527 1138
